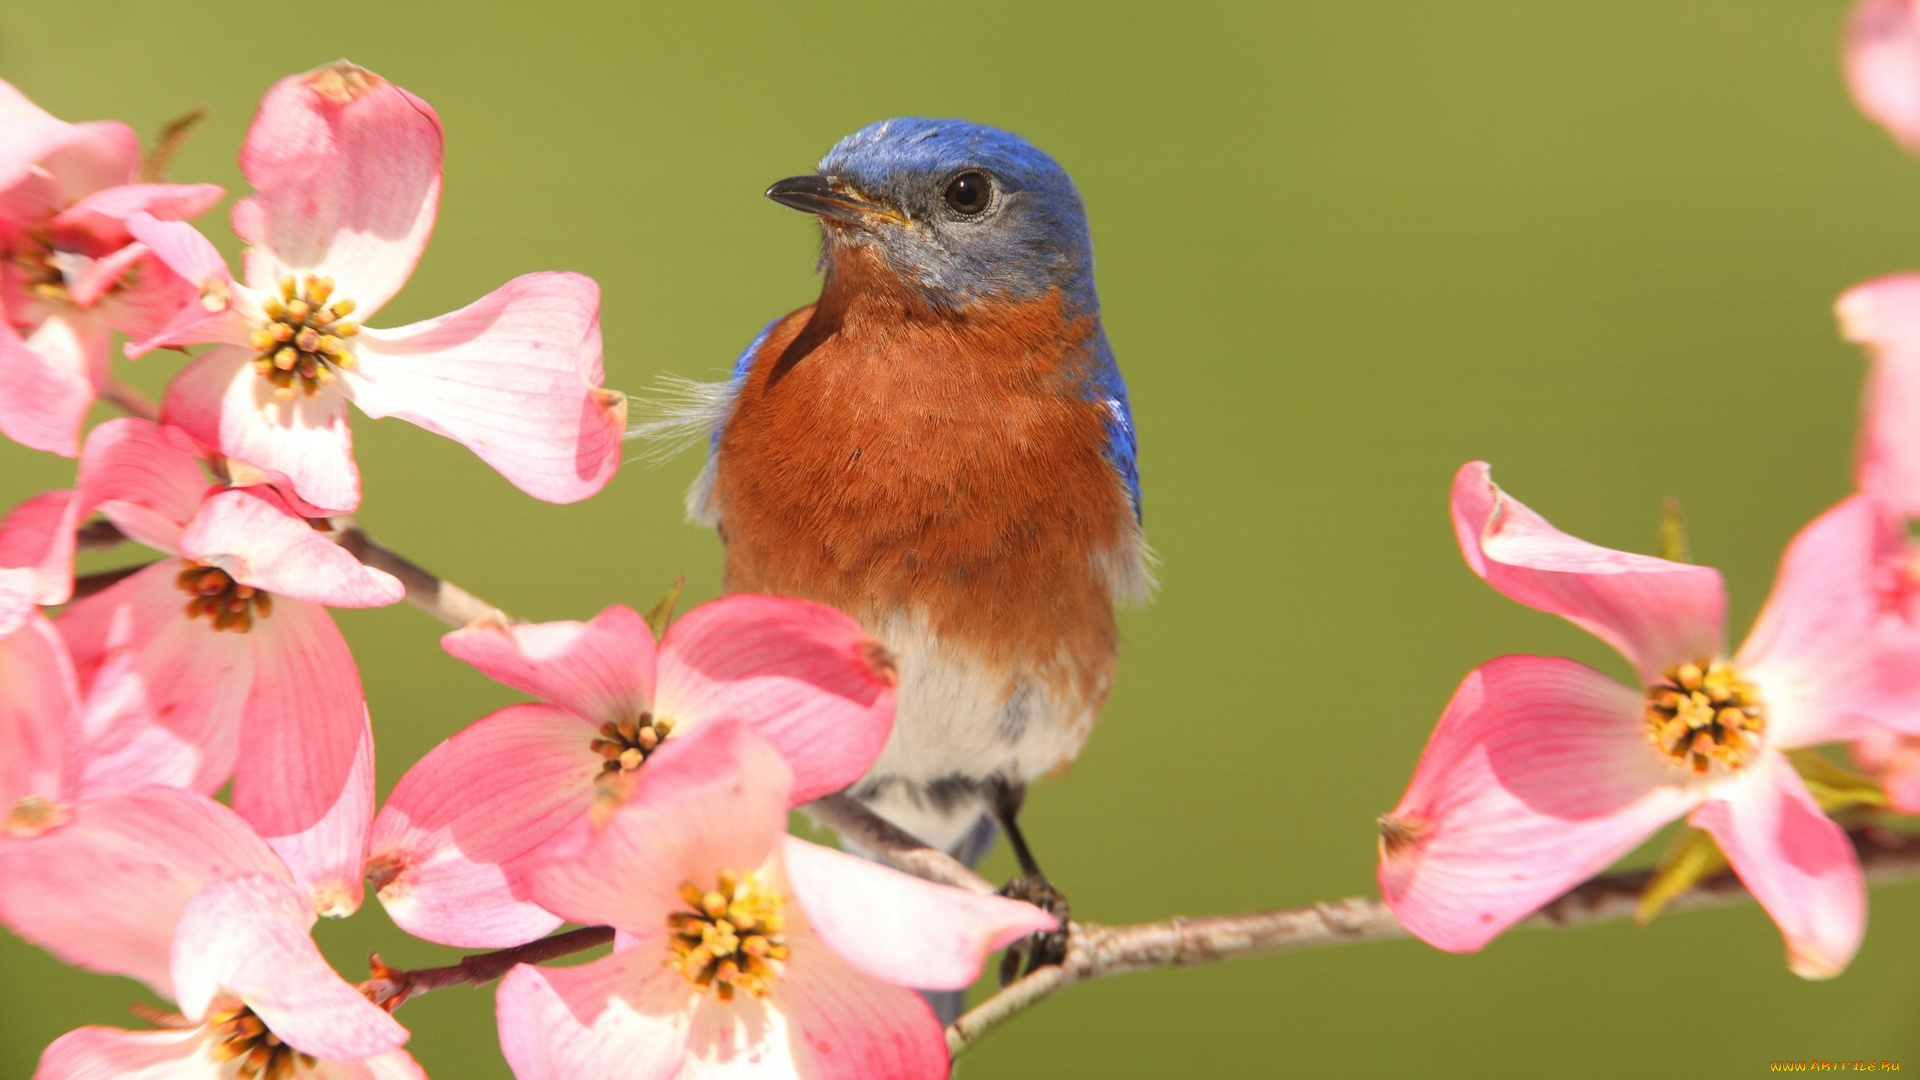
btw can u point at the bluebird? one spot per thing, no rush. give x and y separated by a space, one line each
941 446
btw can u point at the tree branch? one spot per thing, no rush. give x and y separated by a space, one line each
443 600
886 842
84 587
128 400
390 988
1095 951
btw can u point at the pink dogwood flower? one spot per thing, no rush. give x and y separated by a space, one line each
1543 771
70 272
1883 66
741 949
346 168
242 672
168 887
455 841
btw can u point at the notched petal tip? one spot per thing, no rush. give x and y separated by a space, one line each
1812 966
342 81
1399 836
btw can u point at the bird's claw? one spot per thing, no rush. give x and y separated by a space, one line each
1039 950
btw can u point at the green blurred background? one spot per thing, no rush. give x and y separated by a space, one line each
1343 248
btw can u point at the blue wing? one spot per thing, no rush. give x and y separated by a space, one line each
1110 390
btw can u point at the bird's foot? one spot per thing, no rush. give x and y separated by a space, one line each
1039 950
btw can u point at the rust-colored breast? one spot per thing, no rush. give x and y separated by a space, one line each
885 458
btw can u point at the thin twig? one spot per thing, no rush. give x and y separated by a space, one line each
1095 951
128 400
880 838
98 536
390 988
84 587
443 600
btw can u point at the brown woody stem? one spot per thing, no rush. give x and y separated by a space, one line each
443 600
1095 951
128 400
884 841
390 988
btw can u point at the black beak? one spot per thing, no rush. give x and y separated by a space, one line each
829 197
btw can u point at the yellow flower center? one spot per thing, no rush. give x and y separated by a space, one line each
1703 713
305 337
43 278
628 743
261 1054
729 938
231 605
32 816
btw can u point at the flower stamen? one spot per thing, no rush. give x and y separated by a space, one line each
231 605
627 744
1704 712
729 938
304 341
32 816
35 258
261 1054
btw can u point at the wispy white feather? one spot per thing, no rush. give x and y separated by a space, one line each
677 413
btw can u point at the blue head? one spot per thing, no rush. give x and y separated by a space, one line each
960 211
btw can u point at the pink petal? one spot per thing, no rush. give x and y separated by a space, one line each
145 478
38 535
27 133
146 299
1538 777
124 745
48 380
257 540
901 929
100 154
1795 861
602 670
303 444
17 587
222 311
247 936
90 279
195 679
458 852
515 377
1883 67
622 1017
1657 613
1883 316
39 714
104 1053
713 799
348 171
104 890
102 215
392 1065
305 774
1836 651
806 677
842 1025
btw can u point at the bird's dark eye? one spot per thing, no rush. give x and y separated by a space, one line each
969 193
